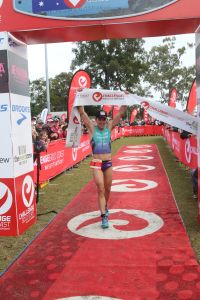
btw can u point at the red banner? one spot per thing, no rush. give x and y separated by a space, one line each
81 79
192 99
172 98
184 149
58 158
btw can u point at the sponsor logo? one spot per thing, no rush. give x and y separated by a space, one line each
5 199
4 160
2 70
12 43
19 73
97 96
23 156
75 120
82 81
21 109
28 191
74 3
3 107
188 151
23 118
74 153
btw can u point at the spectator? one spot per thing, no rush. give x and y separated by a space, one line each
194 174
38 126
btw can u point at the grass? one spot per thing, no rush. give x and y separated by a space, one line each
61 190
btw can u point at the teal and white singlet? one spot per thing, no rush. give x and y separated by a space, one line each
101 141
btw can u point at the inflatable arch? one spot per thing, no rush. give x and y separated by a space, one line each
49 21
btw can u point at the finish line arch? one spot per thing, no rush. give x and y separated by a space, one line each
53 21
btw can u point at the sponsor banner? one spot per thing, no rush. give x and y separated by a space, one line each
197 38
26 202
43 115
21 134
18 74
8 219
81 79
192 99
6 154
184 149
172 97
4 84
159 111
58 158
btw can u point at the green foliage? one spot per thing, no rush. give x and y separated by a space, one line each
166 70
113 64
59 87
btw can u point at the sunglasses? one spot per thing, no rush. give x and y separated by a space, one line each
101 118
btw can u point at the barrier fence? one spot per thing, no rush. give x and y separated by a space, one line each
58 158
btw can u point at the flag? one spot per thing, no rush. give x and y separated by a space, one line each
172 98
145 115
133 115
81 79
107 108
115 110
192 99
39 6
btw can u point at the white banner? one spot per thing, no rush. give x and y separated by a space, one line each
161 112
43 115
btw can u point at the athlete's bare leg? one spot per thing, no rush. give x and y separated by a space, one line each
99 181
107 183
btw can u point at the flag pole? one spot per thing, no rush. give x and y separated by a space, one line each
47 79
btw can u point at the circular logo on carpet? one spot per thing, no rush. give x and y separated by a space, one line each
130 158
139 146
133 168
88 224
88 298
138 151
132 185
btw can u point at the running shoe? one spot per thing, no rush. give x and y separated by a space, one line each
107 212
104 222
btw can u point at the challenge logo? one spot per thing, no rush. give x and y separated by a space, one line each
97 96
74 3
74 153
28 191
188 152
75 120
5 199
82 81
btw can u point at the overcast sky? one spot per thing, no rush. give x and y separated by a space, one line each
60 55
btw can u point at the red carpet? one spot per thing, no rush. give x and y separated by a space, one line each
144 255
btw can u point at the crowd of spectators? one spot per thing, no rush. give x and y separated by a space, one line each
43 133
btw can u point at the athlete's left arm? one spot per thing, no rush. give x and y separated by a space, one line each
118 117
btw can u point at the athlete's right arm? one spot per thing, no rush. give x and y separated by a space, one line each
86 120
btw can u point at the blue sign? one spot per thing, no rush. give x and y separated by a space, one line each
88 9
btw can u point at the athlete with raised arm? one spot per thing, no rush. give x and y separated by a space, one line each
101 164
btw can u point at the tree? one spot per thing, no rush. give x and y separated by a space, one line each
38 96
113 64
166 70
59 87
